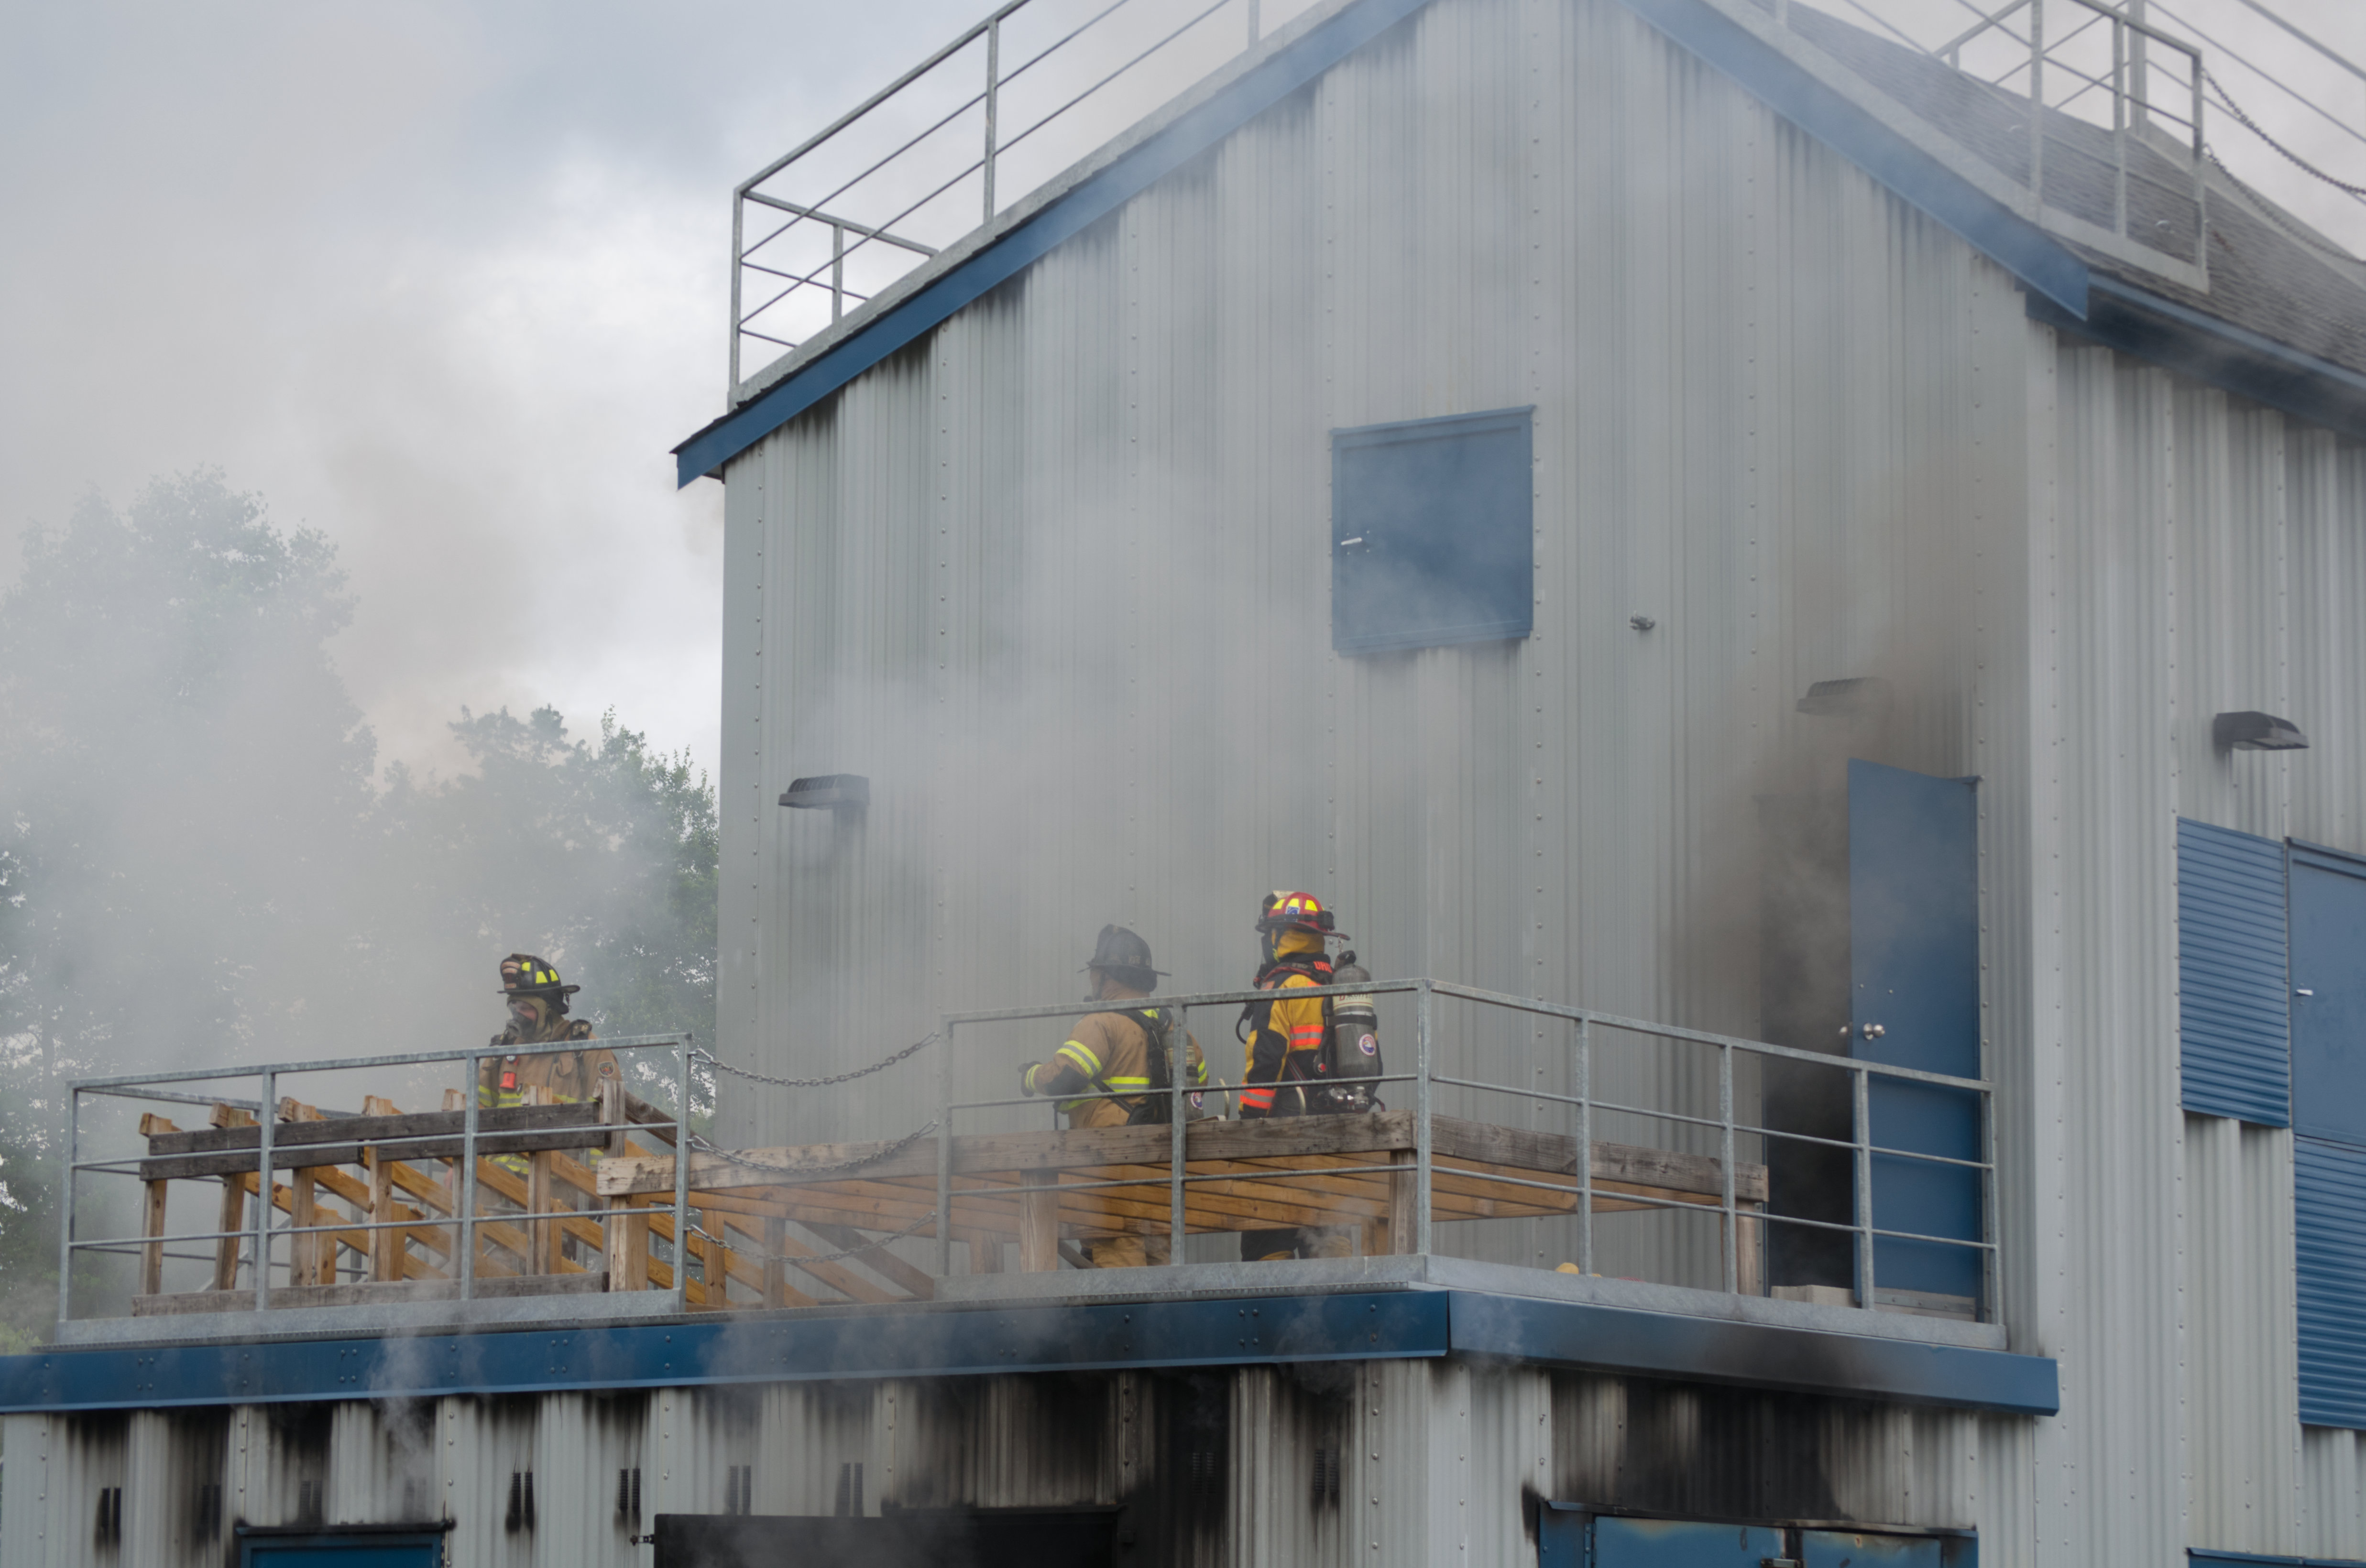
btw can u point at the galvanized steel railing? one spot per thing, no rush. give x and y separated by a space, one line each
263 1235
823 229
1426 1077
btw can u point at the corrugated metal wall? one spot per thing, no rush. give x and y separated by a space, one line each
1374 1464
1056 580
2209 561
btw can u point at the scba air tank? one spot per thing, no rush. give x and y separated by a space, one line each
1355 1038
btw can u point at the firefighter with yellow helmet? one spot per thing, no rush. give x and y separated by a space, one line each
538 1000
1121 1051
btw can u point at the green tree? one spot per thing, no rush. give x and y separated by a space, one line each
600 858
198 869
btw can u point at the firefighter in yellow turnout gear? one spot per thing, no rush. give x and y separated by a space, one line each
538 1000
1120 1052
1283 1045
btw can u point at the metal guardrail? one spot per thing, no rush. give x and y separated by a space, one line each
1427 1078
263 1233
824 228
1572 1187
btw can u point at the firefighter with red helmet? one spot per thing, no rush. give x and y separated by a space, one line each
1283 1041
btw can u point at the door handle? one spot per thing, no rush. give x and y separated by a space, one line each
2302 991
1875 1031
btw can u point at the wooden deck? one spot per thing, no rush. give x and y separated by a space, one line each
1036 1189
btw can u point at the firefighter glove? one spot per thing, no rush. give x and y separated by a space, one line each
1027 1078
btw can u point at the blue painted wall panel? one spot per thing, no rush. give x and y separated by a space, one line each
2329 1190
1682 1544
1433 532
1914 973
2328 994
2233 1022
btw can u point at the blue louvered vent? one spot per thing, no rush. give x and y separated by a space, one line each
2330 1192
2235 1020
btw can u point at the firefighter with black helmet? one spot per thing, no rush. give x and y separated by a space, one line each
1121 1051
1283 1041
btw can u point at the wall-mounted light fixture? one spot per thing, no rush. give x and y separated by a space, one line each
1859 697
2256 731
838 791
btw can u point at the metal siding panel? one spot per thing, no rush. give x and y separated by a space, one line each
2329 1187
2234 1002
2241 1375
24 1489
2116 1479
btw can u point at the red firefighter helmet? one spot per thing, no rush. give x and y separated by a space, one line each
1286 911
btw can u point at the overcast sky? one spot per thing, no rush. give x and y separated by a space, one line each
446 280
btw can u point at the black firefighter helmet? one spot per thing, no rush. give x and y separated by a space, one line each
523 974
1126 958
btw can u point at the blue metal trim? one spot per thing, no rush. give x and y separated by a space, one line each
2207 1554
1989 226
1258 90
945 1343
1714 1349
2148 327
954 1342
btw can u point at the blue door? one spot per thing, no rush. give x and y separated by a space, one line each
2328 1000
1914 973
332 1549
1682 1544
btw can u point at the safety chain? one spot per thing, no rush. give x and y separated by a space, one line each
814 1083
2264 208
840 1256
2232 107
887 1152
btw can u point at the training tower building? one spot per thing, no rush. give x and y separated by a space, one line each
1799 596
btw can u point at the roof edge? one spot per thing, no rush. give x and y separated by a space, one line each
2146 326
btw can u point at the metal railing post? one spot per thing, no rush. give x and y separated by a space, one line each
836 271
2036 109
472 1098
1991 1256
681 1188
1585 1146
66 1224
264 1122
1733 1226
945 1156
738 237
2119 129
993 91
2200 182
1178 1065
2139 65
1423 1093
1864 1116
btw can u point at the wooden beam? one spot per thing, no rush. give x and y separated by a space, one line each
1039 1224
339 1140
919 1282
151 1256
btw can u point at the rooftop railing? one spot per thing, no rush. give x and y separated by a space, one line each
2115 160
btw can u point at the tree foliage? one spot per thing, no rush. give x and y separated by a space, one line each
199 868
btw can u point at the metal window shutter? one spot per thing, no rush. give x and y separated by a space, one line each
2235 1001
2329 1190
